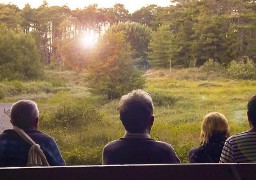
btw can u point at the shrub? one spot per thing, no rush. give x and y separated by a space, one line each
242 70
2 93
83 156
162 99
114 74
18 86
212 65
71 114
19 55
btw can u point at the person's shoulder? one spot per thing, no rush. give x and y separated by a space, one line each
195 153
196 150
37 132
8 133
163 145
167 151
112 146
241 135
40 136
112 143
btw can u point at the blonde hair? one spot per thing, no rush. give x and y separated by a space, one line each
213 122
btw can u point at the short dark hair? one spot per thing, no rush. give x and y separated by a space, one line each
251 110
135 109
24 113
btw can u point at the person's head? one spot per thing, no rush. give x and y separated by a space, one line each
251 111
24 114
136 111
212 123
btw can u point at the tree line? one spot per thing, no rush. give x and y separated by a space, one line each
186 34
189 32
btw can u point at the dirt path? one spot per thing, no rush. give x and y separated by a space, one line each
4 119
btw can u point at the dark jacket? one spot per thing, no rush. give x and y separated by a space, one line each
139 151
208 152
14 150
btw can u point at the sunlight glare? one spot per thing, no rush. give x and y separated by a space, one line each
89 38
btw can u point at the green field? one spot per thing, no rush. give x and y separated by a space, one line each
83 123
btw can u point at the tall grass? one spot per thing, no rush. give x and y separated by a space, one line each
83 123
179 123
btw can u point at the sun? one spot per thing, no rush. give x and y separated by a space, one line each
89 38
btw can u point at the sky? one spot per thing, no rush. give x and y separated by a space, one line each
131 5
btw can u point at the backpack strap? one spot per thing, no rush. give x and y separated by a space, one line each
32 158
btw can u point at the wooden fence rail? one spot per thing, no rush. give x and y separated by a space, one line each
133 172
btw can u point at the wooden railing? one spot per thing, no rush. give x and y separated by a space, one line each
134 172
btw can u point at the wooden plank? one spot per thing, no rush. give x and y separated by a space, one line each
184 171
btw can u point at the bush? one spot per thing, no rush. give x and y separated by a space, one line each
71 114
2 93
212 65
242 70
16 87
114 74
162 99
19 56
83 156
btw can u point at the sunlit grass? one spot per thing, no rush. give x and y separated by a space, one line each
182 98
179 123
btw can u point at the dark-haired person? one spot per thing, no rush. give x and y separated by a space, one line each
137 147
214 132
241 148
14 150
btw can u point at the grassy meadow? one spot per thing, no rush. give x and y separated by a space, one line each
83 123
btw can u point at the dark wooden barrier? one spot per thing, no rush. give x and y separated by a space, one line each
134 172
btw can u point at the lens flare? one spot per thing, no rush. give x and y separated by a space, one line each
89 38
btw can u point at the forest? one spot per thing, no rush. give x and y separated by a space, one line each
185 35
76 63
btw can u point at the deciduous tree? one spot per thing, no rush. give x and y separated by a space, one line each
19 56
113 74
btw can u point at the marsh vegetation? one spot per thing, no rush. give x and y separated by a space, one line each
82 123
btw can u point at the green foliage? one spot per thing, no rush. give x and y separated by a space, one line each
212 65
3 93
199 30
160 46
71 113
19 57
16 87
56 82
83 123
160 99
145 15
137 35
10 15
210 41
242 70
76 124
84 156
114 74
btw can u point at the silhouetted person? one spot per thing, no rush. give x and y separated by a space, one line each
14 150
214 132
241 148
137 147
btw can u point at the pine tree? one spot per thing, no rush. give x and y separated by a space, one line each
161 47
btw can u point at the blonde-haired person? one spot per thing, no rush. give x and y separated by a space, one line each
214 132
